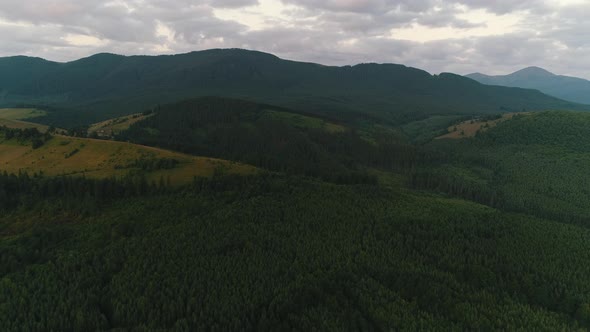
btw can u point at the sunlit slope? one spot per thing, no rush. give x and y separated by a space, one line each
20 113
11 118
471 127
101 159
114 126
17 124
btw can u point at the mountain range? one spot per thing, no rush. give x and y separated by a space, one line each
374 197
104 86
564 87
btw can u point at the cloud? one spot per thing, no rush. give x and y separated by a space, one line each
438 35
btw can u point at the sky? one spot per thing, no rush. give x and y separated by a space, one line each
460 36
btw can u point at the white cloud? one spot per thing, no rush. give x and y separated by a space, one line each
437 35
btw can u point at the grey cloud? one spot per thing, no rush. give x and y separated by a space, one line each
233 3
507 6
331 32
365 6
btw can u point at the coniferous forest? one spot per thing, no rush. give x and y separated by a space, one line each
346 222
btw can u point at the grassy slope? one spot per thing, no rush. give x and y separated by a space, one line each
17 124
11 118
114 126
101 159
20 113
471 127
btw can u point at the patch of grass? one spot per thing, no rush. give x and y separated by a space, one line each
20 113
16 124
114 126
103 159
471 127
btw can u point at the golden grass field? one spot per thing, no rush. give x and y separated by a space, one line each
20 113
114 126
471 127
11 118
103 159
22 125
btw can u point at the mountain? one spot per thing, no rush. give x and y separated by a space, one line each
105 86
564 87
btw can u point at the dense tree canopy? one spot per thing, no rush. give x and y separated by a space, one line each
347 226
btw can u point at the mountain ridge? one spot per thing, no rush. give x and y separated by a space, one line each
105 86
569 88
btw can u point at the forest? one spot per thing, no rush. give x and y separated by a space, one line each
348 226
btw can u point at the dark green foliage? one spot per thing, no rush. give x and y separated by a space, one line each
154 164
71 153
23 191
32 135
247 132
281 253
81 131
535 163
105 86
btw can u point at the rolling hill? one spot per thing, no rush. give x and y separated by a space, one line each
489 232
99 159
271 137
565 87
105 86
534 163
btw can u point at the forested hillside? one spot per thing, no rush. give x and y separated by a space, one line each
104 86
274 138
345 225
535 163
284 253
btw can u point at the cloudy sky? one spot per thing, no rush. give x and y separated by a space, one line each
462 36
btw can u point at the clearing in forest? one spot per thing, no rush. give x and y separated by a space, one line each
112 127
471 127
93 158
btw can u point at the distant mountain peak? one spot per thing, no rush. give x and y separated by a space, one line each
564 87
533 72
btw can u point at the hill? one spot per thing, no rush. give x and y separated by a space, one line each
565 87
112 127
101 159
285 253
17 124
105 86
489 232
474 126
271 137
11 118
532 163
